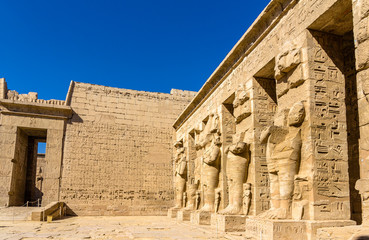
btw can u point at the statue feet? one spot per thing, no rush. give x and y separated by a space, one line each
177 207
190 207
207 208
230 210
274 213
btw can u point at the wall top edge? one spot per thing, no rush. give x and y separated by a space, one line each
245 43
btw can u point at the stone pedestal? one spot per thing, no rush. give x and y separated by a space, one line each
184 215
343 233
200 218
172 212
262 229
228 223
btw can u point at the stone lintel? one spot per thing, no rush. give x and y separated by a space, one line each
37 109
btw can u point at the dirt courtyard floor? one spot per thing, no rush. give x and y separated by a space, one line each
109 228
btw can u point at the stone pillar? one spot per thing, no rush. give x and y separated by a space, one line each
3 88
330 195
52 177
361 36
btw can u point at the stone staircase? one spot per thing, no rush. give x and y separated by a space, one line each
16 213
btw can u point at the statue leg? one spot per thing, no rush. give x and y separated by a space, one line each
287 174
274 190
180 185
211 182
236 172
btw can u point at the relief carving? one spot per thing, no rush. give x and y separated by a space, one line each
247 195
241 105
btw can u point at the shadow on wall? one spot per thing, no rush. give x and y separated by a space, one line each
76 118
362 238
69 211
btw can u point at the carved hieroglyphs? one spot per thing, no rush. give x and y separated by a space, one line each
275 143
292 122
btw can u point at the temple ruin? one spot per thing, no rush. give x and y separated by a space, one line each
275 138
273 145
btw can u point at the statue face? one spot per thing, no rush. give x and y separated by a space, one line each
297 114
217 140
239 148
178 144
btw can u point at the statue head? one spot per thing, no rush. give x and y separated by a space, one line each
296 114
214 123
217 141
247 186
178 144
238 148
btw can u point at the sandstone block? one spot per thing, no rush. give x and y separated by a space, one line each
201 218
362 56
184 215
228 223
288 229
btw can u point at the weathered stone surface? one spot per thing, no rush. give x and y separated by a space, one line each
200 218
278 134
108 150
184 215
288 229
296 94
228 223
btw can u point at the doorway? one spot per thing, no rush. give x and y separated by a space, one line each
28 167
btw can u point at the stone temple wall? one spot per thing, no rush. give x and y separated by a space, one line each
117 150
278 131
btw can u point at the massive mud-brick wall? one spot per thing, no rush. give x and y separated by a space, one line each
117 151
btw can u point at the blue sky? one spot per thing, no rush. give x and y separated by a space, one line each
141 45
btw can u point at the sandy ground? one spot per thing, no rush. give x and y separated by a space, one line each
109 228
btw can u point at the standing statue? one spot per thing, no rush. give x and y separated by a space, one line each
237 165
180 173
237 156
211 164
283 156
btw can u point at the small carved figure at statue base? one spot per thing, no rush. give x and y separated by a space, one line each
246 198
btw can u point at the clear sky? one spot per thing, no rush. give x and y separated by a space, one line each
142 45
